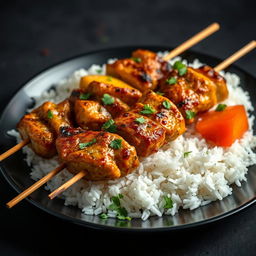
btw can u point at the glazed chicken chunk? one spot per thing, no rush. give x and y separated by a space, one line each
127 95
144 134
90 114
101 155
191 93
42 139
142 70
56 115
164 112
220 82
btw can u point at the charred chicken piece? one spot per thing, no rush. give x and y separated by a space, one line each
191 93
220 81
102 155
42 138
127 95
90 114
56 115
144 134
164 112
142 70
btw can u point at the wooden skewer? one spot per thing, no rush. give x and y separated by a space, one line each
67 184
192 41
14 149
237 55
35 186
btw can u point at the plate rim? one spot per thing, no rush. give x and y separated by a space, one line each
85 223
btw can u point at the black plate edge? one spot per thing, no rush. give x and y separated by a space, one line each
115 228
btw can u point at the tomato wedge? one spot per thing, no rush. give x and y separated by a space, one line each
222 128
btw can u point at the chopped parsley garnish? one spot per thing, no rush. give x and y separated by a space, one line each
186 154
167 104
85 96
50 114
109 126
109 78
147 110
99 70
138 60
103 216
160 93
182 68
168 202
87 144
190 114
221 107
107 99
140 120
122 213
116 144
171 80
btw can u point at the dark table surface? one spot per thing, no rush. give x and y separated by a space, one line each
37 34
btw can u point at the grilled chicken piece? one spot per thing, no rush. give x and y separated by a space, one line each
56 115
192 93
146 137
165 113
142 71
90 114
42 139
220 82
94 153
128 95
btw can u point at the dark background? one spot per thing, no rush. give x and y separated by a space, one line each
37 34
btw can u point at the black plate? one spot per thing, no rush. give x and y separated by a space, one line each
16 171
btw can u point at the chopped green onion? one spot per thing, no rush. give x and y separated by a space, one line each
140 120
221 107
122 213
50 114
85 96
171 80
116 144
109 78
107 99
103 216
160 93
147 110
99 70
167 104
87 144
168 202
186 154
182 68
138 60
190 114
109 126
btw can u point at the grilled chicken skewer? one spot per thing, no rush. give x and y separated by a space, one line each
192 41
234 57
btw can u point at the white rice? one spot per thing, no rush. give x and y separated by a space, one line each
204 176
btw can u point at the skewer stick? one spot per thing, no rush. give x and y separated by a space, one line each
35 186
14 149
66 185
192 41
237 55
